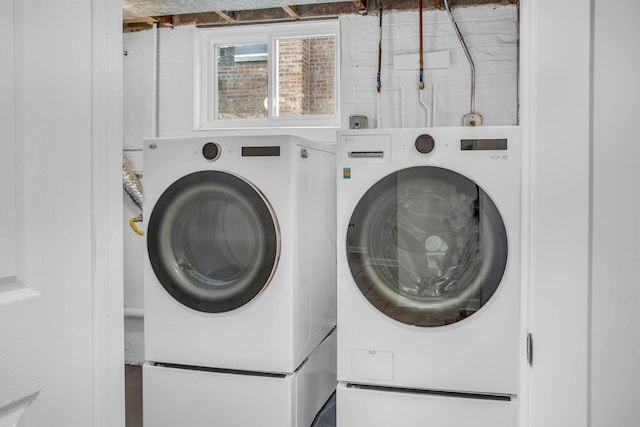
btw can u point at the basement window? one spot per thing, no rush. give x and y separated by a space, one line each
283 75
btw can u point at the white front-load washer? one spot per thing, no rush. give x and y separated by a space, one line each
240 230
428 234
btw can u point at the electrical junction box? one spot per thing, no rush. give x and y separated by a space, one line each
357 122
472 119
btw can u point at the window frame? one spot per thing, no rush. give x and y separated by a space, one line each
206 41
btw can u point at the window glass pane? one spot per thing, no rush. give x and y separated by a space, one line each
242 81
306 76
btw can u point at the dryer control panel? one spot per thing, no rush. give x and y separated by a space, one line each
365 149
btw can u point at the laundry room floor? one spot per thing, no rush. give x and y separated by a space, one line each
133 395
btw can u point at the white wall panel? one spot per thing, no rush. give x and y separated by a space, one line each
615 341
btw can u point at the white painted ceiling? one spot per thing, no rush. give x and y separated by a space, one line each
132 9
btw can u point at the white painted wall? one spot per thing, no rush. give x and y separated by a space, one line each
176 85
615 339
491 33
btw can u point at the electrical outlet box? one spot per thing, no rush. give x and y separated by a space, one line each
357 122
472 119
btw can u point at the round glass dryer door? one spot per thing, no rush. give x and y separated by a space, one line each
427 246
213 241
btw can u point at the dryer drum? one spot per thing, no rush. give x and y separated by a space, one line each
213 241
427 246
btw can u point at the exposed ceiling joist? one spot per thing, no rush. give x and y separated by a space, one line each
286 10
361 5
163 21
304 12
291 11
225 16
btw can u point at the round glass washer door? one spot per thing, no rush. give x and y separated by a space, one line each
426 246
213 241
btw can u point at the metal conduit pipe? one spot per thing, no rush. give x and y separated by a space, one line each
472 118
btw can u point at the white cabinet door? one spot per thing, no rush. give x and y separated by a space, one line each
61 317
20 380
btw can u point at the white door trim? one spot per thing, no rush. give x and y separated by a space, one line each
556 116
108 304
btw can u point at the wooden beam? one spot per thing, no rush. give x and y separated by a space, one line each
312 11
225 16
207 18
360 4
137 23
291 11
144 20
287 13
374 7
274 14
165 21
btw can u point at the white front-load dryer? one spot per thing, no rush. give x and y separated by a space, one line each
428 234
240 272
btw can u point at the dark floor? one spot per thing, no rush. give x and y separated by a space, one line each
133 395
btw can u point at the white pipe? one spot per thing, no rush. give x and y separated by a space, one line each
433 105
154 80
378 109
401 106
425 105
135 312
